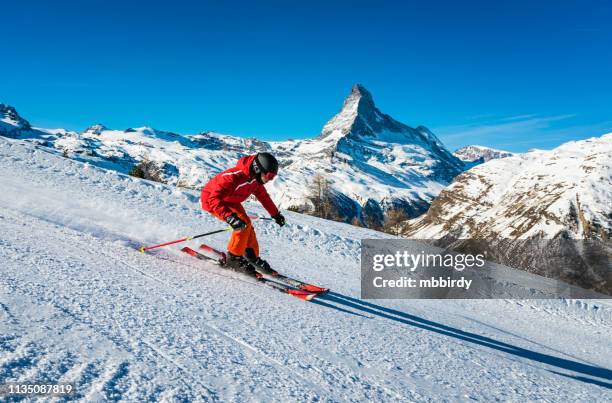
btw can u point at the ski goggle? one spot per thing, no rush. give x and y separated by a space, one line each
268 176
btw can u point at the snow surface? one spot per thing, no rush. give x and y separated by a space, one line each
79 304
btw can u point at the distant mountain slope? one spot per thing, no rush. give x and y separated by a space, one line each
564 193
474 154
539 192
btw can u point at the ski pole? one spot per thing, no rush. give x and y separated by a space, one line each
187 238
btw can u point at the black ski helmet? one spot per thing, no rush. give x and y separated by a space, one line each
265 163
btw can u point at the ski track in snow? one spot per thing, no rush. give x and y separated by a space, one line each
78 304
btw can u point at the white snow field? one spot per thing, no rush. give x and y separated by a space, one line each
79 304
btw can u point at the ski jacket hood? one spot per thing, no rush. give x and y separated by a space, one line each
244 164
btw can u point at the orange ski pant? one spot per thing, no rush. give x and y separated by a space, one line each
245 238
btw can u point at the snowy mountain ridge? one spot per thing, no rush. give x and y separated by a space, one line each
372 162
480 154
524 205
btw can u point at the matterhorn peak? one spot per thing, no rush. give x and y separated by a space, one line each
359 118
360 89
359 102
361 96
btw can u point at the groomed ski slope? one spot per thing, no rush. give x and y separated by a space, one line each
79 304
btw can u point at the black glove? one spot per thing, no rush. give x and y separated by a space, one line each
280 219
235 222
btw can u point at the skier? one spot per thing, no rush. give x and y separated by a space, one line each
222 197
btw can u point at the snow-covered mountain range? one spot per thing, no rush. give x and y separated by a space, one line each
564 193
371 162
188 161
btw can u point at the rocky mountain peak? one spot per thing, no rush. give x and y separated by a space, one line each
362 97
480 154
360 131
359 117
8 114
97 129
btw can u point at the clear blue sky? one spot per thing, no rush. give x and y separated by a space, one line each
513 75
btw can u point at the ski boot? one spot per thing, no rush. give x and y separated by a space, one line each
260 265
263 267
240 265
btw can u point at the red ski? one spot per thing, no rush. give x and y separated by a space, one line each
276 276
220 260
300 284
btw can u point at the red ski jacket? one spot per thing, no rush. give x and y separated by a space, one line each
232 186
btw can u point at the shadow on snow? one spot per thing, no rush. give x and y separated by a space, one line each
412 320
